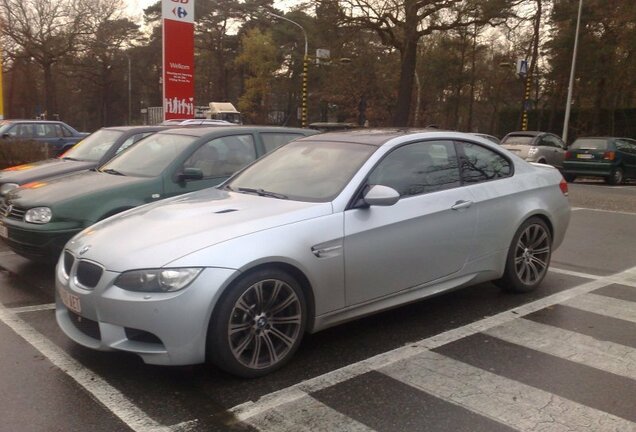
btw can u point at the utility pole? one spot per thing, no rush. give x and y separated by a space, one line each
568 104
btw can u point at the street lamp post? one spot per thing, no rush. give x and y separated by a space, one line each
568 103
304 114
129 90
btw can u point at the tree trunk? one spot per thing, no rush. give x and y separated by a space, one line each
407 77
49 90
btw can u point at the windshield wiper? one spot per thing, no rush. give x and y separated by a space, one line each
112 171
69 158
228 187
262 192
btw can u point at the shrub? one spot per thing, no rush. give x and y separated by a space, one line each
18 152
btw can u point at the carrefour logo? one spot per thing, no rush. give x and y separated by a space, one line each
180 12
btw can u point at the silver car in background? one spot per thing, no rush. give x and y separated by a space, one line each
323 230
540 147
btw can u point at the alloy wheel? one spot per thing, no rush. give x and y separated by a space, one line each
265 324
532 254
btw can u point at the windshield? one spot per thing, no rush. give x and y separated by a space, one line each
589 144
518 140
150 156
305 170
94 146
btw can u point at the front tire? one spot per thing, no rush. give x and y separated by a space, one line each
258 324
528 257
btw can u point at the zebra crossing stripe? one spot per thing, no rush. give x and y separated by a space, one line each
603 305
246 410
306 415
568 345
509 402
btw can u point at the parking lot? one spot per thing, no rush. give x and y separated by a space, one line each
562 358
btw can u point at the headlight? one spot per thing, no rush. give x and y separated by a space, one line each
157 280
533 151
38 215
7 187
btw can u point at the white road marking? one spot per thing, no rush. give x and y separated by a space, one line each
34 308
603 211
607 356
512 403
306 415
249 409
603 305
93 383
573 273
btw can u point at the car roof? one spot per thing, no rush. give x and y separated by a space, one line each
376 137
200 131
7 121
527 133
137 128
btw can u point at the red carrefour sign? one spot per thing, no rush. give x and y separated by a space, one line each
178 58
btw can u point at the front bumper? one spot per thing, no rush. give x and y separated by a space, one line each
37 244
162 328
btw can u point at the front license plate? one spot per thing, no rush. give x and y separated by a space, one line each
4 233
585 156
71 301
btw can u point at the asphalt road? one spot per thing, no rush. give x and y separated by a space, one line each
559 359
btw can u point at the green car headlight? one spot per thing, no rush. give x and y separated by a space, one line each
38 215
157 280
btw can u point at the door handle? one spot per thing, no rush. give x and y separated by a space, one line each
461 205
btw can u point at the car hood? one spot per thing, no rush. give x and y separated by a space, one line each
26 173
156 234
68 188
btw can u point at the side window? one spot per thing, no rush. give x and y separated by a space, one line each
479 164
418 168
45 130
546 141
621 145
273 140
23 130
223 156
65 131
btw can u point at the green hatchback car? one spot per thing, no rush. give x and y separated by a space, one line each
38 218
614 159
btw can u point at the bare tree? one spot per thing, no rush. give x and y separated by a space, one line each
402 23
47 31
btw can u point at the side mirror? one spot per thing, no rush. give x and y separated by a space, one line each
380 195
191 173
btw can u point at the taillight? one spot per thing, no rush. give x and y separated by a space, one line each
609 155
564 187
568 154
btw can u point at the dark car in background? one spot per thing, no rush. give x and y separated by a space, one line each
37 219
58 135
613 159
93 151
534 146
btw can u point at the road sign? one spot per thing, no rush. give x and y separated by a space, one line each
522 67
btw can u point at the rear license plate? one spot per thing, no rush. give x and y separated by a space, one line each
71 301
4 233
585 156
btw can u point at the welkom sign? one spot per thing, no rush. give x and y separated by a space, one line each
178 59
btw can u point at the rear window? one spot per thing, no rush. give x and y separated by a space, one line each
518 140
589 144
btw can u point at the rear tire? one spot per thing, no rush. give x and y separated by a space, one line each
616 177
258 324
528 257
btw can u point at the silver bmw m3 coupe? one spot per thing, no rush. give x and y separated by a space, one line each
323 230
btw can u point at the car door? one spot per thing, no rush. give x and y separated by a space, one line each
217 159
425 236
557 149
